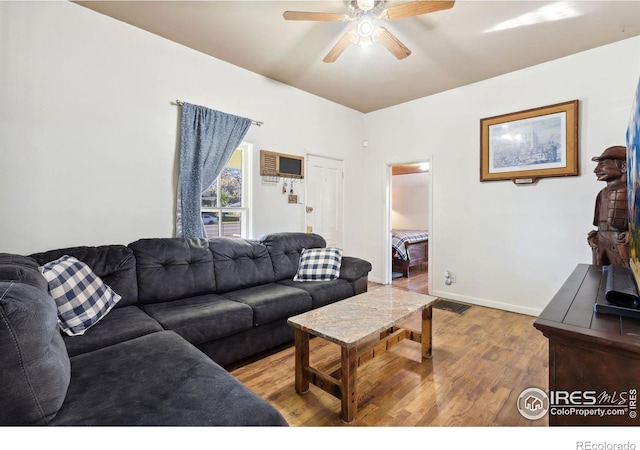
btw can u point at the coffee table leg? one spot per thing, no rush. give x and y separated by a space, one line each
302 361
349 396
427 315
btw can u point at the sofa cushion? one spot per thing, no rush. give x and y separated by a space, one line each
285 250
81 296
34 366
240 263
114 264
272 301
323 292
173 268
121 324
22 269
203 318
319 264
158 379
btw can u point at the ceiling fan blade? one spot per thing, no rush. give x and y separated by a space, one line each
391 43
340 47
415 9
317 16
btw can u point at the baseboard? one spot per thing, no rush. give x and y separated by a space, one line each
534 312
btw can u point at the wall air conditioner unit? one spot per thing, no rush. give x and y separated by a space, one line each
273 164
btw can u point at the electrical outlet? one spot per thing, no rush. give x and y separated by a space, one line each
449 277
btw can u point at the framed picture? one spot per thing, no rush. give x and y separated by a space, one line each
531 144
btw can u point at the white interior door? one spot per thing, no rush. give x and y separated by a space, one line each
325 199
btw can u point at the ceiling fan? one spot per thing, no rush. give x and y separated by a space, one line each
365 13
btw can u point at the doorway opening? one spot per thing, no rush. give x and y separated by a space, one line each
408 225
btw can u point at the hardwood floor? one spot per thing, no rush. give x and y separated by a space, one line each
482 360
417 281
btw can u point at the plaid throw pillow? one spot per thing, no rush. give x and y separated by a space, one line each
81 296
319 264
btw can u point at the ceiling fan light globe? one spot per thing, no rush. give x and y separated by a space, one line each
365 28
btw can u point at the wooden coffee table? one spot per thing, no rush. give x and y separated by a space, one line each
364 326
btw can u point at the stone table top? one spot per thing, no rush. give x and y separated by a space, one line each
356 319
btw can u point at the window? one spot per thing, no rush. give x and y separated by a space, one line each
225 204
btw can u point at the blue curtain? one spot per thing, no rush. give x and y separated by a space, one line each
207 142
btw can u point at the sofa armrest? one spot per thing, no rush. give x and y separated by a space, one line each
354 268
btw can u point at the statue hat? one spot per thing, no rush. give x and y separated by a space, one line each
615 152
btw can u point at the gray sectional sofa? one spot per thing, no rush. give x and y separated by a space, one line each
188 308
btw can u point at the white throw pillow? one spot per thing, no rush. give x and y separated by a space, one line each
81 296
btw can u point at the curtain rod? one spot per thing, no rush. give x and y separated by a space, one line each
253 122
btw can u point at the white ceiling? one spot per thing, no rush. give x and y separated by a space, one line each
450 48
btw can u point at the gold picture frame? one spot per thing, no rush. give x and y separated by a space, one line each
526 145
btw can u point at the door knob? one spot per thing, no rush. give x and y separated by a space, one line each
309 209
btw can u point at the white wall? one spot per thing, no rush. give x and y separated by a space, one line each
409 200
509 246
88 150
88 134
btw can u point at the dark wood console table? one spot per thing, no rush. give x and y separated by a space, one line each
590 351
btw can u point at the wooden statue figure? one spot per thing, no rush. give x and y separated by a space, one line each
610 242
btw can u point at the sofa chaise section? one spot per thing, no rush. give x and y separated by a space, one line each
158 379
